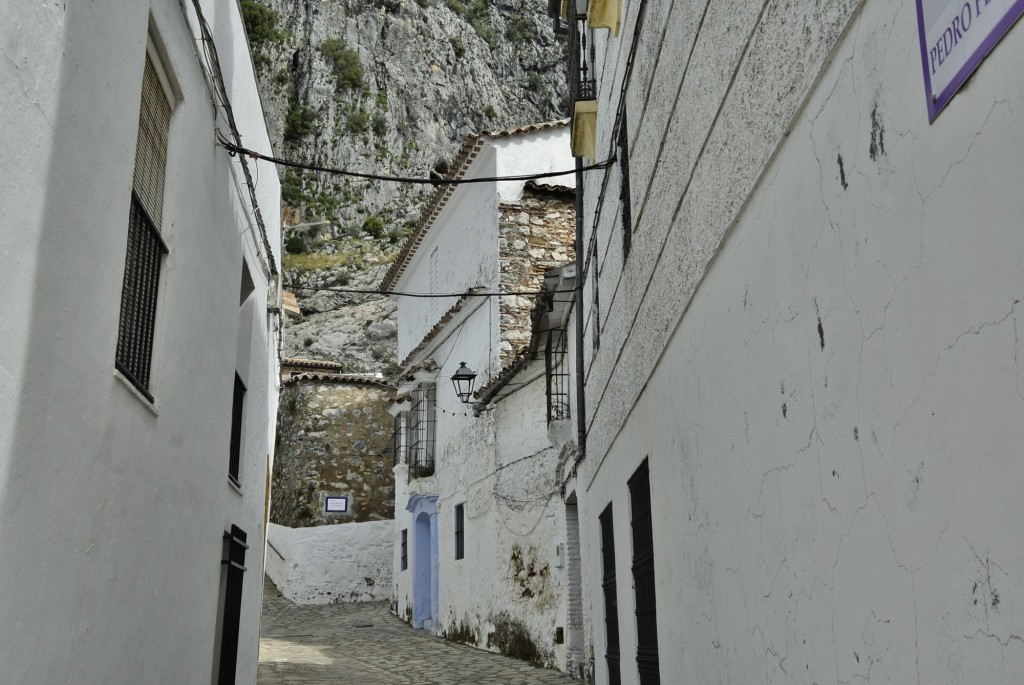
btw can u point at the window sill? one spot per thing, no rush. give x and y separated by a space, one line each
151 406
236 486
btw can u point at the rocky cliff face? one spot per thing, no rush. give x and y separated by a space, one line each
390 87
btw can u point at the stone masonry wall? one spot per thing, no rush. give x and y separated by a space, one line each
533 236
334 439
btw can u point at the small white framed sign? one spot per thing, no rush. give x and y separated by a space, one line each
335 505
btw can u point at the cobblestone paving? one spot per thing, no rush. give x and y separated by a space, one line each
363 644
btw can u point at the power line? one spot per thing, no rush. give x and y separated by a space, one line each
368 291
238 149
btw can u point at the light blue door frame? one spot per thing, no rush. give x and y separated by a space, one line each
425 560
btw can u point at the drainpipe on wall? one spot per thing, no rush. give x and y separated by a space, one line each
581 405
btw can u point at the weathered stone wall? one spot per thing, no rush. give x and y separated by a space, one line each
533 236
335 438
328 564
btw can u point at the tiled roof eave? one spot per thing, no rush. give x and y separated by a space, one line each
340 378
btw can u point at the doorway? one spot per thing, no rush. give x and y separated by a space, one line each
424 562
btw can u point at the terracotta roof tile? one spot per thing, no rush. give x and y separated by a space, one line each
346 378
550 187
310 363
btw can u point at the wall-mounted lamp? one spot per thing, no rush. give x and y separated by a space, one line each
463 381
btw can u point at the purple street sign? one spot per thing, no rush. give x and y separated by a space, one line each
956 35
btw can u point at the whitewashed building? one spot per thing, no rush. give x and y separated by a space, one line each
476 493
138 373
803 301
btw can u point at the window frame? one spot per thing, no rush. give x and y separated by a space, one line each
404 558
422 430
134 354
237 434
234 563
609 589
460 531
644 578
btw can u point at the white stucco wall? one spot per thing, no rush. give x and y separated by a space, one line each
467 256
537 152
112 510
501 467
506 593
815 343
467 247
347 562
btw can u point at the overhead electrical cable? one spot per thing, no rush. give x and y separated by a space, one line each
239 150
397 293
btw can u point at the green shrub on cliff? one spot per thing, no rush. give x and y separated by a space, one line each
348 70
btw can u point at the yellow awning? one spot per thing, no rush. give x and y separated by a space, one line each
583 134
604 14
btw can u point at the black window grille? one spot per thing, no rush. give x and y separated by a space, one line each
235 564
460 531
138 298
237 415
422 429
401 438
611 604
405 548
625 202
582 85
643 577
557 375
146 248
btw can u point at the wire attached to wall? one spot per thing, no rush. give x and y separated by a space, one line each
416 180
398 293
215 74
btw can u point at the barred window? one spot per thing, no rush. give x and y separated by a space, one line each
422 427
405 548
401 444
460 531
557 375
146 248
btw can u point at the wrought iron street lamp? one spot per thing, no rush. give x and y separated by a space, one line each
463 381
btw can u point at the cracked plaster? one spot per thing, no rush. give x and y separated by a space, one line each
868 531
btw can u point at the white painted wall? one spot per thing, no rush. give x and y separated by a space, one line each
467 256
468 245
819 361
347 562
537 152
500 465
112 511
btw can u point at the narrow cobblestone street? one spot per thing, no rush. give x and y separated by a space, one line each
364 644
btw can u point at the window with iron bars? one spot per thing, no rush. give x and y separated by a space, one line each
557 376
422 429
146 248
460 531
401 444
405 548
